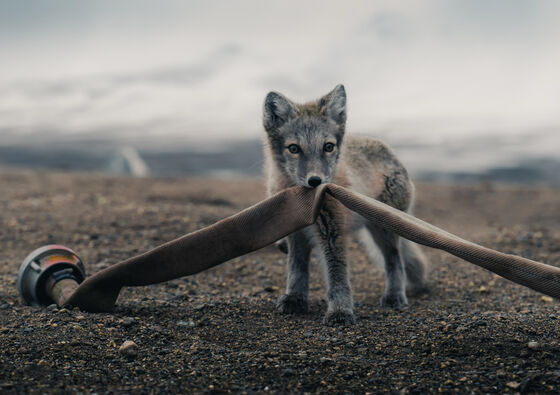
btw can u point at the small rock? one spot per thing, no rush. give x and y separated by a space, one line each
63 311
513 385
42 362
52 308
189 323
128 322
156 328
289 372
547 299
129 349
203 306
533 345
481 323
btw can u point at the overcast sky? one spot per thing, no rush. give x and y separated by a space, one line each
430 69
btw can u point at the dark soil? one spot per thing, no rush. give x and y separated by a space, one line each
219 331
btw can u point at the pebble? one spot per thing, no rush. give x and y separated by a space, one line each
129 349
52 308
189 323
289 372
533 345
128 322
513 385
203 306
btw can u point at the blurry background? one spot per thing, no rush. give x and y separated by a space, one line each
463 90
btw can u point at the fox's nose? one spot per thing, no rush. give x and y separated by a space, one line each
314 181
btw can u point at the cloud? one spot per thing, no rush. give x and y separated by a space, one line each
427 69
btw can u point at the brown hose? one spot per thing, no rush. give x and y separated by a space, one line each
276 217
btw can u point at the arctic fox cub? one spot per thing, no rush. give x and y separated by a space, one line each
304 147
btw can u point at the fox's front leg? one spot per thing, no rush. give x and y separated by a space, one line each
339 294
295 300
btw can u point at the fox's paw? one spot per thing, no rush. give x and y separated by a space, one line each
339 318
395 300
292 304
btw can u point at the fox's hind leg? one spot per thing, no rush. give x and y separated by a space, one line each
395 274
295 300
416 264
416 267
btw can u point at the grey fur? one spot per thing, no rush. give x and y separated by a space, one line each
331 241
415 264
277 111
369 167
297 287
334 104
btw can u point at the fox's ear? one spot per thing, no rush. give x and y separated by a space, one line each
277 111
333 104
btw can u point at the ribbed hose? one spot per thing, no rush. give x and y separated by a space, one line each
277 217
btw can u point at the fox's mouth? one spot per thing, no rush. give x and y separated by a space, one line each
302 183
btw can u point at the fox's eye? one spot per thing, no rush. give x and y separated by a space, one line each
329 147
294 149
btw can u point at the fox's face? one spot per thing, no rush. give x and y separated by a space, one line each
305 139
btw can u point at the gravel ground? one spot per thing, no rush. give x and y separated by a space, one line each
219 331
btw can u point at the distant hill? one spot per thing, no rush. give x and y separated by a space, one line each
244 158
229 160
